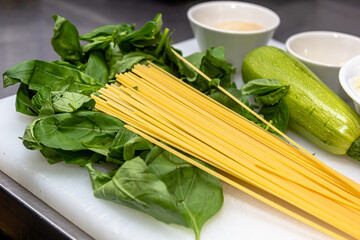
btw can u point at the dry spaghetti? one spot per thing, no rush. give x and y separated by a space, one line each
182 120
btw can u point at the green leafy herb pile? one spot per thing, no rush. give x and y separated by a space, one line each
270 94
68 129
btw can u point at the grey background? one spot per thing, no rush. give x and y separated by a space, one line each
26 26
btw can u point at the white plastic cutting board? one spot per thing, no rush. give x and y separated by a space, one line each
67 189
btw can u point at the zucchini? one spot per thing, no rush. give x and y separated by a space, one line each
315 111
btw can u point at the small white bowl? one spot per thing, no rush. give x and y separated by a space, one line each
204 16
324 53
347 76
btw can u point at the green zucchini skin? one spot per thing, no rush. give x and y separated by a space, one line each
315 111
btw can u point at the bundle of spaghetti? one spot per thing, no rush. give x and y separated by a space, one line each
173 115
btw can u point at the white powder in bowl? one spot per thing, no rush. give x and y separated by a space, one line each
355 82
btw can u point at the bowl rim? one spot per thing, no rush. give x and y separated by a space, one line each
316 33
210 3
344 82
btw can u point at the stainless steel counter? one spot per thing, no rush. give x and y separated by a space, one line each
25 33
24 216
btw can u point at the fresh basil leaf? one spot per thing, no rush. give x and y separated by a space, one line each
28 138
98 43
135 186
261 86
271 94
230 103
107 31
126 62
97 68
37 74
161 46
67 131
8 81
215 82
102 42
38 98
135 145
148 35
51 155
278 114
80 158
44 97
127 145
66 85
213 64
65 63
66 40
112 55
272 97
196 58
100 144
70 101
23 103
98 179
168 61
198 195
70 85
187 73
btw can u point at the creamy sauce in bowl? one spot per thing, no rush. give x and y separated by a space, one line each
239 26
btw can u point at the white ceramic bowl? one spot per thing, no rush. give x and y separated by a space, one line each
349 72
324 53
204 16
